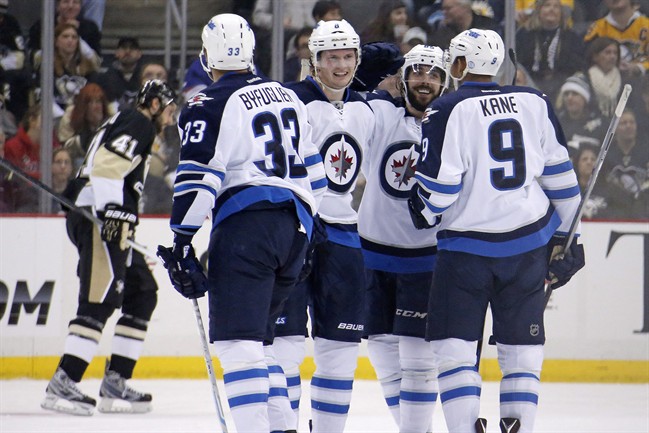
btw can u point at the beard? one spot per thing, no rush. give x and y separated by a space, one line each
415 101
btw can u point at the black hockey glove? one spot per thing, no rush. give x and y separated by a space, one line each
378 60
185 271
118 225
415 208
563 265
318 237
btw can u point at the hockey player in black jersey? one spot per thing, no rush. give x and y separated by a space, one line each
112 276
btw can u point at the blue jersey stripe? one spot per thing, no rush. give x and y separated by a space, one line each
318 184
245 375
441 188
418 396
398 264
343 237
559 194
329 407
465 391
199 168
455 371
550 170
193 187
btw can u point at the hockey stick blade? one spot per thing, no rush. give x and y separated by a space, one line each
73 207
610 133
210 366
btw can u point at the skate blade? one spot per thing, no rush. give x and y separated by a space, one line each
57 404
116 405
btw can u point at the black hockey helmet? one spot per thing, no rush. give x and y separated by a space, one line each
155 89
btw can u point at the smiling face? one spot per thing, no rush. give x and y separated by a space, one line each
586 163
424 84
336 68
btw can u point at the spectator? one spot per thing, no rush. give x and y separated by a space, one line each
71 69
5 182
81 121
61 174
548 49
293 65
584 161
629 27
458 17
326 10
297 14
627 178
12 62
525 9
93 10
414 36
389 25
23 150
579 121
68 12
121 81
603 57
153 71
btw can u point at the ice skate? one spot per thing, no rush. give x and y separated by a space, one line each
510 425
118 397
62 395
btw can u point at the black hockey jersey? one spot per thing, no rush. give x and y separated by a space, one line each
115 166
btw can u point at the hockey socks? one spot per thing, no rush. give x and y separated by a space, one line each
419 386
331 385
280 413
246 383
383 351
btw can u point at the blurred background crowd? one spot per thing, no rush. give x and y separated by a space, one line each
580 53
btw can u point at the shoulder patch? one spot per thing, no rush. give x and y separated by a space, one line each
198 100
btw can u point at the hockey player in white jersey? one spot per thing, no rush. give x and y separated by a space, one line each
495 163
399 258
248 161
343 124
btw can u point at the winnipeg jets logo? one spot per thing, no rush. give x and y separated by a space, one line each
427 114
341 162
404 169
198 100
398 167
342 157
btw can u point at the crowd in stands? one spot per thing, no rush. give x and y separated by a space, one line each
579 53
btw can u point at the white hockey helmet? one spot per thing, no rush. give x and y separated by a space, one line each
228 44
425 55
333 35
484 51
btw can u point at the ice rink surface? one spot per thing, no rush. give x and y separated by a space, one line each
187 406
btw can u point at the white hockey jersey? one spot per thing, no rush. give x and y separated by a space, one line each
495 163
342 132
245 141
389 240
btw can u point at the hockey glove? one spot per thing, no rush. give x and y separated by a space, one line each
185 271
378 61
118 225
318 237
415 208
563 265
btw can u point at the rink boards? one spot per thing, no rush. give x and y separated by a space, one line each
597 326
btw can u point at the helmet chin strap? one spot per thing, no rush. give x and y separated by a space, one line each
456 80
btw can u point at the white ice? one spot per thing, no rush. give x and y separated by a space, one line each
187 406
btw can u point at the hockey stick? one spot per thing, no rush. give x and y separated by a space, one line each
512 57
67 203
621 103
210 366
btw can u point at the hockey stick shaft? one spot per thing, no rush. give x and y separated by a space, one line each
68 203
512 57
608 139
210 366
